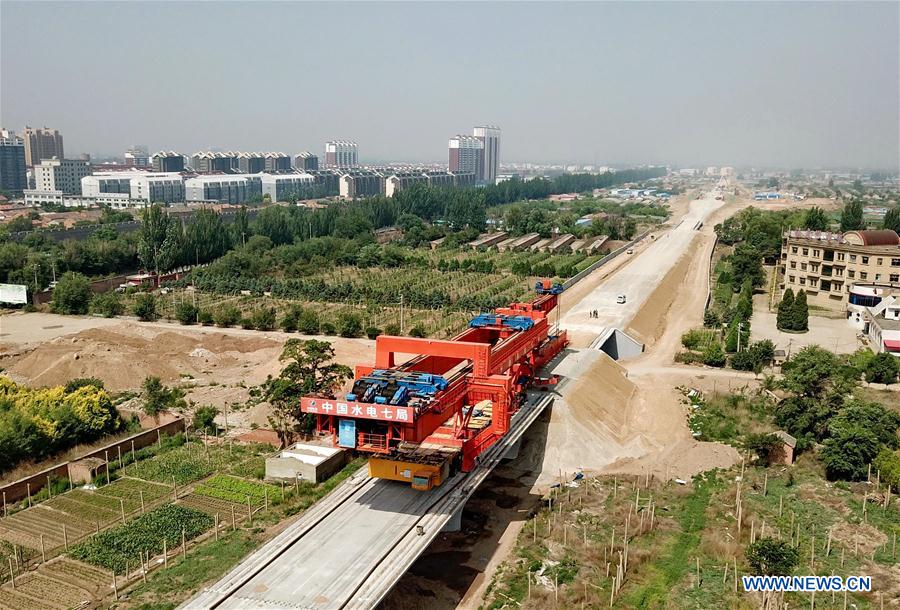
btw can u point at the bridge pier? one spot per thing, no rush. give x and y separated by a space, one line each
455 522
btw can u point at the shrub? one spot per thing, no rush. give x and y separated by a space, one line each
308 323
327 328
263 318
83 382
144 307
186 313
697 339
372 332
714 355
227 315
711 319
291 319
770 557
392 329
246 323
767 447
72 294
107 304
417 331
205 317
349 325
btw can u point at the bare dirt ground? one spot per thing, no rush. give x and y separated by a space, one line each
215 366
835 334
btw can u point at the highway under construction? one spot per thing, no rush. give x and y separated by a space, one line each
351 548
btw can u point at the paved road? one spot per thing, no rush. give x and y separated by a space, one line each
639 277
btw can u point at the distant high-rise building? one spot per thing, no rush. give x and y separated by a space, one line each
13 175
491 137
306 161
137 156
341 153
170 161
42 144
61 175
467 155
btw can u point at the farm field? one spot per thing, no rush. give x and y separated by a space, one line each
441 290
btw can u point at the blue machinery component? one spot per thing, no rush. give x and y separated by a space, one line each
384 386
545 288
493 319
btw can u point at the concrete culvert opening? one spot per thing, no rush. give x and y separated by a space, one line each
617 344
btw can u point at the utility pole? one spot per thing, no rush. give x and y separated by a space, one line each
401 313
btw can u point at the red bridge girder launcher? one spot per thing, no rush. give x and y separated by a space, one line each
435 413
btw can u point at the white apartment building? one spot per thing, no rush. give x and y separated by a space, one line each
278 186
224 188
60 175
467 155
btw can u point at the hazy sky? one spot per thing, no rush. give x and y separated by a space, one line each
781 84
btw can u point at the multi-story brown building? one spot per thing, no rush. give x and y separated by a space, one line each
840 270
42 144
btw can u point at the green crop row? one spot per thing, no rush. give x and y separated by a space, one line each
237 490
121 546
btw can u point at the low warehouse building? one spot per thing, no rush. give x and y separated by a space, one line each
313 463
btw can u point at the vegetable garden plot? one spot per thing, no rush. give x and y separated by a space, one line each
47 592
113 548
216 506
233 489
91 579
84 510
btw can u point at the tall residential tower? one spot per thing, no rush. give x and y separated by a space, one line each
42 144
490 135
467 155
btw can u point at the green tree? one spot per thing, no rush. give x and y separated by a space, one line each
72 294
157 397
849 451
746 264
800 312
144 307
291 318
205 238
784 319
159 240
815 373
770 557
815 219
852 216
240 227
887 465
877 419
107 304
205 419
186 313
308 324
892 220
883 368
310 370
